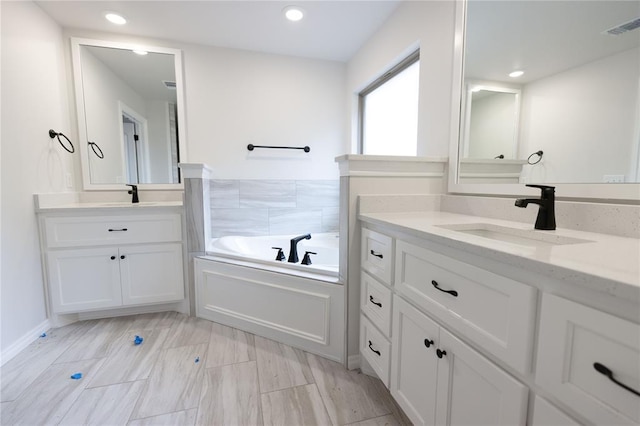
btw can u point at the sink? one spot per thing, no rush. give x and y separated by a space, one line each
128 204
521 237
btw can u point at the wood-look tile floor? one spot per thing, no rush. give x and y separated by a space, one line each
187 371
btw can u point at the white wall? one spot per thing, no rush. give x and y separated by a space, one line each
103 90
597 93
237 97
430 26
34 99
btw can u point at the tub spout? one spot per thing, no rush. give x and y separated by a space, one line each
293 253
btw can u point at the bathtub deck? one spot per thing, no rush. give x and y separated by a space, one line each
238 378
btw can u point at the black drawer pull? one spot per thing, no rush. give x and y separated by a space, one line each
374 302
113 258
118 230
440 353
451 292
373 350
122 257
604 370
428 342
376 254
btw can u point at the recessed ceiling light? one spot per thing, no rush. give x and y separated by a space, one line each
140 52
293 13
516 74
114 18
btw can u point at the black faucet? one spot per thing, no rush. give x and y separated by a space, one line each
293 254
134 193
546 219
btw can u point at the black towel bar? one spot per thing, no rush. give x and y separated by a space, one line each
251 147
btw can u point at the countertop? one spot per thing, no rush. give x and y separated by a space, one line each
605 263
75 206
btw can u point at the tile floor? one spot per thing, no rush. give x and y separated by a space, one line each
187 371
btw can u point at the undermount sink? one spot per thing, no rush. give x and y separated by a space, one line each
521 237
128 204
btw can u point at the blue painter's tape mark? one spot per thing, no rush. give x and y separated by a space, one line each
76 376
197 359
43 335
137 340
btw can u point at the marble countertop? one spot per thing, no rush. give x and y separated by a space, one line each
605 263
75 206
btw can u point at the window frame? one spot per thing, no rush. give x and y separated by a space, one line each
385 77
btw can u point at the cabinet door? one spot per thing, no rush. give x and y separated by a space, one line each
151 273
414 362
84 279
472 390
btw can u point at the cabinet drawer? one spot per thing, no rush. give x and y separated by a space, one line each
106 230
375 302
574 339
376 349
376 255
493 311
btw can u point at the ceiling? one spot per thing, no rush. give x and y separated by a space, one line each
331 30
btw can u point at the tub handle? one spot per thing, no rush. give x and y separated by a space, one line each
280 256
306 260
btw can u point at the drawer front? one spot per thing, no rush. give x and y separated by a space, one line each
108 230
375 302
376 349
495 312
574 339
376 256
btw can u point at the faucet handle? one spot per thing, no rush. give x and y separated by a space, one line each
280 256
547 191
306 260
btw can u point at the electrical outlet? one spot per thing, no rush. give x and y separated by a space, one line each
613 178
68 178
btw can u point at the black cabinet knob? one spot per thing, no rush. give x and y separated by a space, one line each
113 258
428 342
440 353
122 257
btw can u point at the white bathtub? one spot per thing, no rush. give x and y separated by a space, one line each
240 284
258 252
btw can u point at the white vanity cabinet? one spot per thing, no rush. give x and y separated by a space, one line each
97 261
438 379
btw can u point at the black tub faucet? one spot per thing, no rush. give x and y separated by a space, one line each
546 219
293 253
134 193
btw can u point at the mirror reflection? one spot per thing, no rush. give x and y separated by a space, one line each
130 109
575 98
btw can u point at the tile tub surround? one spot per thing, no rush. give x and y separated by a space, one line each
239 379
273 207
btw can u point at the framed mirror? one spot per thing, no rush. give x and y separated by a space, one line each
578 95
130 114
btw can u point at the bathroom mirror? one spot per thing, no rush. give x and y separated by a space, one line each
130 114
579 94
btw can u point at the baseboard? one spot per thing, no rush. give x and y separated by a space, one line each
28 338
353 362
132 310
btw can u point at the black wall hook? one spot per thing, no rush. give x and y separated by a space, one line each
54 134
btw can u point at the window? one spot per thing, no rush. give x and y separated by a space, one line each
389 111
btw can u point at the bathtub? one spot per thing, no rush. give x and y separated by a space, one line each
240 284
258 251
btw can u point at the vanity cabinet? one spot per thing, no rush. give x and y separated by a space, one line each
578 348
97 261
464 328
438 379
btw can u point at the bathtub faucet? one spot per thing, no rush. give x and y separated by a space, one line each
293 254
